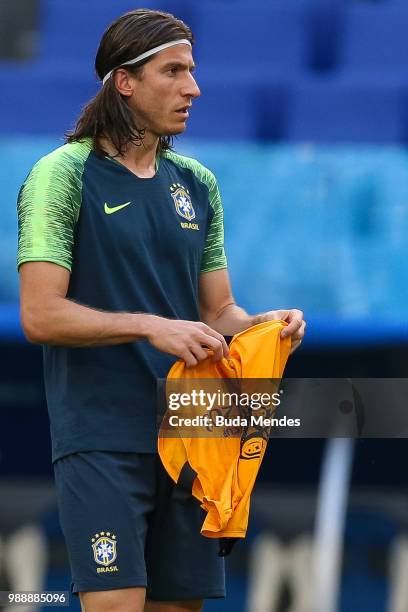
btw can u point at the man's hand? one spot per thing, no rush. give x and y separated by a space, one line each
185 339
296 324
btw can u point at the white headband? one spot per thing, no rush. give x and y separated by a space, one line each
143 56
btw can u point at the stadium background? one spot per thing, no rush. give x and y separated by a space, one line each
304 120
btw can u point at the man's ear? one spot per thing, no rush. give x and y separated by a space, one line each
124 82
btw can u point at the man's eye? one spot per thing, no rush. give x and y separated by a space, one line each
173 70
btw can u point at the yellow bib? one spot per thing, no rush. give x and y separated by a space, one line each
225 469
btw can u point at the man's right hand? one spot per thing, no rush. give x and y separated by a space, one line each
186 339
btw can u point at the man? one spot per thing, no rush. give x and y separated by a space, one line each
123 270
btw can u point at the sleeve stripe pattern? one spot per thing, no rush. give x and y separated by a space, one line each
48 206
214 254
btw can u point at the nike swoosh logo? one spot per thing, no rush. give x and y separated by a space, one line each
109 210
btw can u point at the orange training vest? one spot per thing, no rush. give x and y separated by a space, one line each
225 468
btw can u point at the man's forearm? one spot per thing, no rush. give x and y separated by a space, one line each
232 320
64 322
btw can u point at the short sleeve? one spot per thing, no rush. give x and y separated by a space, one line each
214 253
48 207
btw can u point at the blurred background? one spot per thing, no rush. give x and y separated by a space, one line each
304 120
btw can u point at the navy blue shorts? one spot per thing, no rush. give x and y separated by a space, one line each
126 526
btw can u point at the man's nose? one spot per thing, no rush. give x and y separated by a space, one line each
191 88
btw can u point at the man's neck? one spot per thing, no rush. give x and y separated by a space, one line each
139 159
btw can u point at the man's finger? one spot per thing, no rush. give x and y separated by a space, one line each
199 353
215 344
188 358
300 332
221 339
292 327
295 345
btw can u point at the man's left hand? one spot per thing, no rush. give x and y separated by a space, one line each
296 324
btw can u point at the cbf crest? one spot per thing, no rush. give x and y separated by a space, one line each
104 548
182 201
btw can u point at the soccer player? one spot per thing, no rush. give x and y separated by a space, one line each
123 271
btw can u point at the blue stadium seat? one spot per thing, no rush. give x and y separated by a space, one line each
53 103
325 28
347 111
243 39
375 38
71 29
224 111
235 110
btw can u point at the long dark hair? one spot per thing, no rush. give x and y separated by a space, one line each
108 113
